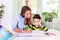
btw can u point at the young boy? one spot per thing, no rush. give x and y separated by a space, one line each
37 24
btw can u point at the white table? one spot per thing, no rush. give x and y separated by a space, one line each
36 35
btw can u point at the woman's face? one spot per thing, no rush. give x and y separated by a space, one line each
27 14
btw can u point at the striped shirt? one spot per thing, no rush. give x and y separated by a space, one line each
31 26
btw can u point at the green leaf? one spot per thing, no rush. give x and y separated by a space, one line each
48 15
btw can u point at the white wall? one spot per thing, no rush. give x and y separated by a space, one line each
39 7
13 7
7 18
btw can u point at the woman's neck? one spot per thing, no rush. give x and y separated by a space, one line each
26 21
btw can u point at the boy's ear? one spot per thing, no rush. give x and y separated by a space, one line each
40 21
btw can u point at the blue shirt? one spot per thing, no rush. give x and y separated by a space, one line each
18 22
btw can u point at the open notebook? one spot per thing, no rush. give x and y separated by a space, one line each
33 34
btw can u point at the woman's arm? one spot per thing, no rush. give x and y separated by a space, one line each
16 22
22 31
18 30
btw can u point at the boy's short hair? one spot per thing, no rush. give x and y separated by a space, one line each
37 16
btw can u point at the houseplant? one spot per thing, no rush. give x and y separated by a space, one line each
48 16
4 33
1 10
1 13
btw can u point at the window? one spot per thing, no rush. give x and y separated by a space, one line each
32 4
49 5
49 9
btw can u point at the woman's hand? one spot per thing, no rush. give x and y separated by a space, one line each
27 31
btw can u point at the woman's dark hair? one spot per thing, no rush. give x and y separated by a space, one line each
24 9
37 16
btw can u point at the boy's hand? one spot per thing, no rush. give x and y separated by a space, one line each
50 34
47 33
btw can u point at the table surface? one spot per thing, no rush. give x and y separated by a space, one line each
37 35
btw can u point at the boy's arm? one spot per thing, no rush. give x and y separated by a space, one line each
44 28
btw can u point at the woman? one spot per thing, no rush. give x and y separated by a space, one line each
22 19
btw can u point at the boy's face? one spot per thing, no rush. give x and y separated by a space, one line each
36 22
